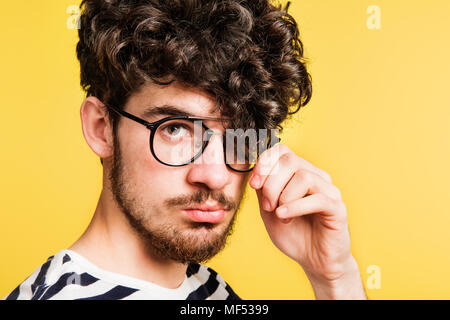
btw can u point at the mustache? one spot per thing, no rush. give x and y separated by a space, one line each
201 196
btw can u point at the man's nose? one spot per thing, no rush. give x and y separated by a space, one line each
210 168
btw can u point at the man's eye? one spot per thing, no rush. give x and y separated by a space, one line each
176 131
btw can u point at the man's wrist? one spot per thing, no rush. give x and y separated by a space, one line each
348 286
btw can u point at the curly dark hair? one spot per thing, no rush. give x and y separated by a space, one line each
246 53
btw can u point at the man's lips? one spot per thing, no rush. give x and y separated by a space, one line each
204 213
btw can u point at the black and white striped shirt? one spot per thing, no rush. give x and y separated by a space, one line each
69 276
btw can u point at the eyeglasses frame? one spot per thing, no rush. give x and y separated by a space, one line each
153 126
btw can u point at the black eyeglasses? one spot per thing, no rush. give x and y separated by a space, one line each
179 140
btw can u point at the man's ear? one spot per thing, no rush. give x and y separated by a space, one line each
96 126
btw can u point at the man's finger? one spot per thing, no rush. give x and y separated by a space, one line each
267 165
305 182
314 204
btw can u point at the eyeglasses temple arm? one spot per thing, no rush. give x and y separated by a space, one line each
130 116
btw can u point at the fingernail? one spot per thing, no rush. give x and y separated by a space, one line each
266 204
255 181
281 211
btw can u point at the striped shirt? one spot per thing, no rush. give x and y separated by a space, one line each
69 276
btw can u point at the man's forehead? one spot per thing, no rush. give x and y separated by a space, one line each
172 100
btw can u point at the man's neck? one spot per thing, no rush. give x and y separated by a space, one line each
111 243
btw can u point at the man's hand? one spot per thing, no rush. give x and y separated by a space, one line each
306 219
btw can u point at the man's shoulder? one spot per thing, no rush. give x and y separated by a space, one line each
213 286
49 279
64 276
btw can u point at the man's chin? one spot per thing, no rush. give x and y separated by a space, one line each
194 242
205 234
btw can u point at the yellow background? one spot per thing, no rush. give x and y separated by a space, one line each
378 123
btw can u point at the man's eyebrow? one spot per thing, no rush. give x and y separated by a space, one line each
168 110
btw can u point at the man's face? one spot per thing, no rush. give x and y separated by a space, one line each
159 200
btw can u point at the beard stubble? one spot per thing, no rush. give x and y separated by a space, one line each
184 244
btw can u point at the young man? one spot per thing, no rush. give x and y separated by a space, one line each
160 76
